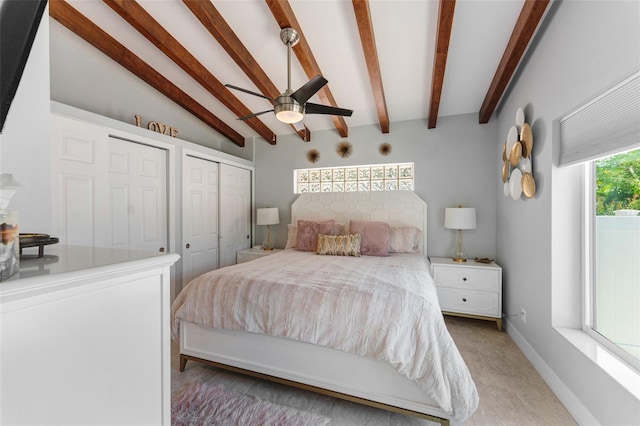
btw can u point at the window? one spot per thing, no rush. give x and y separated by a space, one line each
613 293
379 177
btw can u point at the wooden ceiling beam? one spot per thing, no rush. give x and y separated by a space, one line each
213 21
142 21
367 38
284 16
62 12
530 16
445 22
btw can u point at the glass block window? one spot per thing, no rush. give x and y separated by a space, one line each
378 177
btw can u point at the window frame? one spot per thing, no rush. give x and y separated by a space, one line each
589 287
357 181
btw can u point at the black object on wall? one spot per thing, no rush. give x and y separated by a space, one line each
19 22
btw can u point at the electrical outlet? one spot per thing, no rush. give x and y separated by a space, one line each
523 316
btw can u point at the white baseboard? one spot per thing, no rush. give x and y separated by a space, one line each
579 412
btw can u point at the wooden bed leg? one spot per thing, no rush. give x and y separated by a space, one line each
183 362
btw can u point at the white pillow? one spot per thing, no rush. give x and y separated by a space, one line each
292 236
405 239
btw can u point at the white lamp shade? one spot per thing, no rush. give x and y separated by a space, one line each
268 216
460 218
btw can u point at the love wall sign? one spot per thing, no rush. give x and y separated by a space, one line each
154 126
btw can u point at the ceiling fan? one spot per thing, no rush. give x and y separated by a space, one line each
290 107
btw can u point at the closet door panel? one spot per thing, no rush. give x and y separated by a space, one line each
235 212
141 169
200 217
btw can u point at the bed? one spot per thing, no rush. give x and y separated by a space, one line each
363 328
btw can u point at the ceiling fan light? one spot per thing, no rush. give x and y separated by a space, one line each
288 111
289 116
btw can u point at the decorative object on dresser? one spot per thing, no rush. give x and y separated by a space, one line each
268 216
253 253
459 218
472 289
517 172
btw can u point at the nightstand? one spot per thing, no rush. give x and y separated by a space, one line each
469 289
253 253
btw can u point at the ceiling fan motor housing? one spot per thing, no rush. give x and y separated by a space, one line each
287 109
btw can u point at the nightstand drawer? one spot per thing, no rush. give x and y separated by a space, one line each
467 278
469 301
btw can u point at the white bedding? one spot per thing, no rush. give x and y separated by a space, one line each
384 308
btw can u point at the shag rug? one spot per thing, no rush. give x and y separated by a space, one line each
200 404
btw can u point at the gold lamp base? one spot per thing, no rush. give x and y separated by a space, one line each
459 259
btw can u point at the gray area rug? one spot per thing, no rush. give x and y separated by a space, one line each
208 404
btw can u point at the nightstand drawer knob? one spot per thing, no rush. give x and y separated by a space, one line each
464 278
464 299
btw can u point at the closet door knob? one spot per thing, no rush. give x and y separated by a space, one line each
464 299
188 245
464 278
161 249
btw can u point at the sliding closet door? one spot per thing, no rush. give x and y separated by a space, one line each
235 212
107 192
199 217
137 196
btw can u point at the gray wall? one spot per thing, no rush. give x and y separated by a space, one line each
454 164
85 78
583 48
24 143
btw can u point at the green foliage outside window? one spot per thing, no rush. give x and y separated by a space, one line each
618 183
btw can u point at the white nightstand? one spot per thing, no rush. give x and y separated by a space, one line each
469 289
253 253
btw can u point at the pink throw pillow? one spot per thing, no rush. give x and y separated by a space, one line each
307 237
376 237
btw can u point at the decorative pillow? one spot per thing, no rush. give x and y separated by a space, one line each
307 233
291 236
339 245
375 237
405 239
341 228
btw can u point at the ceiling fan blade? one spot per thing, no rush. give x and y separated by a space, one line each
246 91
254 114
310 88
310 108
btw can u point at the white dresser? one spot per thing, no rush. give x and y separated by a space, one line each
86 339
469 289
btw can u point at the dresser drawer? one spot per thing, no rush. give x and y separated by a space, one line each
469 301
467 278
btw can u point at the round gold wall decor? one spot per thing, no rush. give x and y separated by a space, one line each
515 154
384 149
505 171
344 149
526 136
313 155
504 152
528 185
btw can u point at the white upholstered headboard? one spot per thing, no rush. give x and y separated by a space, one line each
394 207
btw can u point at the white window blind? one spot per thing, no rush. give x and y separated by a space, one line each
607 124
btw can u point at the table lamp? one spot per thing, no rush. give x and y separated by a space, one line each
459 218
268 216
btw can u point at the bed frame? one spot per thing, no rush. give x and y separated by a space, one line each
316 368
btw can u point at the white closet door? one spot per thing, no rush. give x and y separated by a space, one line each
79 182
199 217
137 196
235 212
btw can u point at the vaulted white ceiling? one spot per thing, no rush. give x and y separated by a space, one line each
405 39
